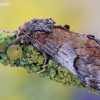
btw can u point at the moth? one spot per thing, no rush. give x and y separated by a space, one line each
79 53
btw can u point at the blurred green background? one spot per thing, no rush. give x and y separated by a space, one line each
82 15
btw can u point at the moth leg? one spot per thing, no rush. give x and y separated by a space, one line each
45 59
12 32
16 41
57 64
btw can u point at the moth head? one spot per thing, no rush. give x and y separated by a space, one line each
21 29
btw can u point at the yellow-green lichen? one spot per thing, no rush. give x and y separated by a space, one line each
3 57
40 59
14 52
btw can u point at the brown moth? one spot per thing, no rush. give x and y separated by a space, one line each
79 53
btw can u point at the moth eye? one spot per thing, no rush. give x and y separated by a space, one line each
35 21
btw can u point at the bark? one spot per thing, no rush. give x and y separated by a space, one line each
79 53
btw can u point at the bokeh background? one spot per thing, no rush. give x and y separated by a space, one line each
82 15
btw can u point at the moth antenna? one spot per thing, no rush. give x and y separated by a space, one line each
15 31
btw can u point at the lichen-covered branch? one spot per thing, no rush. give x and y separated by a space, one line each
57 46
26 56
